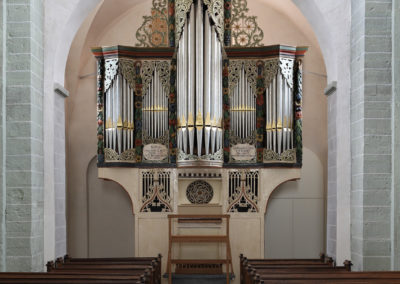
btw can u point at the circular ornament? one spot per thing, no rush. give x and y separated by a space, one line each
199 192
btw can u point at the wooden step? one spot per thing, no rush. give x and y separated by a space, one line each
197 261
202 239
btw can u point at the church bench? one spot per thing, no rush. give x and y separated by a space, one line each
47 278
113 263
332 277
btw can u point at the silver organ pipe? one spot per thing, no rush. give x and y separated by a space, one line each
191 74
243 107
155 106
207 84
119 116
199 77
199 85
279 114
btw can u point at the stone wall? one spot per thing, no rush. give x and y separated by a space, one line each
23 138
371 134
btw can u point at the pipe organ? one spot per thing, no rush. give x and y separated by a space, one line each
199 103
199 86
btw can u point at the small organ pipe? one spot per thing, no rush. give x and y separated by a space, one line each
207 83
191 76
199 75
184 94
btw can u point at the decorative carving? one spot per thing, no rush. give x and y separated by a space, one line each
112 156
156 194
216 12
110 72
251 139
226 109
245 29
227 22
163 69
127 70
286 66
243 191
100 111
271 69
217 156
199 192
172 113
163 140
154 30
288 156
298 97
147 73
251 71
182 7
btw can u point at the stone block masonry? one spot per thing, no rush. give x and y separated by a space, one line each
21 137
371 132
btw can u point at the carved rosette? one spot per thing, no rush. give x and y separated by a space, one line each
199 192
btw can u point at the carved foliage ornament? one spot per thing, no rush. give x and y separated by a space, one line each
147 73
112 156
114 66
250 68
182 7
288 156
282 65
216 12
245 29
154 30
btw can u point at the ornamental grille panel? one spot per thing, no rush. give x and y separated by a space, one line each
156 191
243 191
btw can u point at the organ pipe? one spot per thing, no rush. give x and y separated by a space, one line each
279 114
199 85
243 107
119 116
155 107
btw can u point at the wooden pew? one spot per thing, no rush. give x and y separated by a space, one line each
113 265
250 268
49 278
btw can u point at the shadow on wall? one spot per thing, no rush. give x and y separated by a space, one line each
295 216
111 223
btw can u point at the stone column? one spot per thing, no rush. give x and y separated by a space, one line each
371 130
331 203
22 136
396 136
59 171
